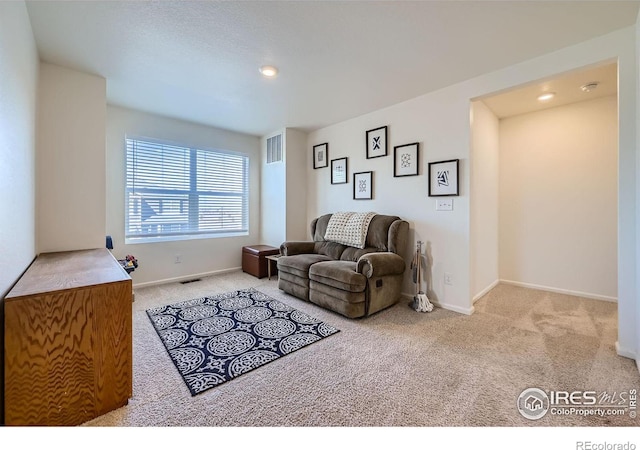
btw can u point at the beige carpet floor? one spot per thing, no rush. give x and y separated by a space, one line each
398 368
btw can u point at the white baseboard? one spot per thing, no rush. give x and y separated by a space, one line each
455 308
458 309
184 278
561 291
485 291
625 352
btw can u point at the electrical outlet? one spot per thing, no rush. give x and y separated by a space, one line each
178 259
447 278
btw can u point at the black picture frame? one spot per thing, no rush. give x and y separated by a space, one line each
406 160
321 155
363 185
377 142
444 178
339 171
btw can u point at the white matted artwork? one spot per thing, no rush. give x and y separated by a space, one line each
405 160
443 178
377 142
320 155
363 186
339 171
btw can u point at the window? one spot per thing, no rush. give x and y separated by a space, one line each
176 192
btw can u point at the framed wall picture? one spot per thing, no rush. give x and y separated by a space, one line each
339 171
320 155
363 186
405 160
443 178
377 142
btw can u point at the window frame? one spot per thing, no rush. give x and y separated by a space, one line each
193 195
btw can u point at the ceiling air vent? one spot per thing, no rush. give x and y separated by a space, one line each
274 149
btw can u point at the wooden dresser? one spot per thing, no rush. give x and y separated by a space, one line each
68 339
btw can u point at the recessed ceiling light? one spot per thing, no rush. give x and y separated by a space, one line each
546 96
269 71
589 86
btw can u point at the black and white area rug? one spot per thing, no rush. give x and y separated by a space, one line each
214 339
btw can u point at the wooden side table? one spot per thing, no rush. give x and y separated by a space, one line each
274 259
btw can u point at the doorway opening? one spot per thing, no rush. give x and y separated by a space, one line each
544 173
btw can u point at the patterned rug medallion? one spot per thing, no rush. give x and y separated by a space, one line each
214 339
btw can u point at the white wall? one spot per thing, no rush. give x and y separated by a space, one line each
485 161
440 122
199 256
273 195
558 198
70 160
637 174
18 89
296 185
284 190
429 120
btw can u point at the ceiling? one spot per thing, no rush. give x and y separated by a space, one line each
199 60
566 87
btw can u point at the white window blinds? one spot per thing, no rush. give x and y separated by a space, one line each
181 192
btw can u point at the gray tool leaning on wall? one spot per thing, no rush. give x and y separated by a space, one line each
421 302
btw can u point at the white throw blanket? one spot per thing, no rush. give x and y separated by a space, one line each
349 228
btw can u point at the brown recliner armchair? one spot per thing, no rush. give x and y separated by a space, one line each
355 282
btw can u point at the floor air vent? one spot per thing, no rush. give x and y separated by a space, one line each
190 281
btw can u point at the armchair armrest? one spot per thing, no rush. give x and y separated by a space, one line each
296 248
380 264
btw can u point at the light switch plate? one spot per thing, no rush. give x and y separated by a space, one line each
444 204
